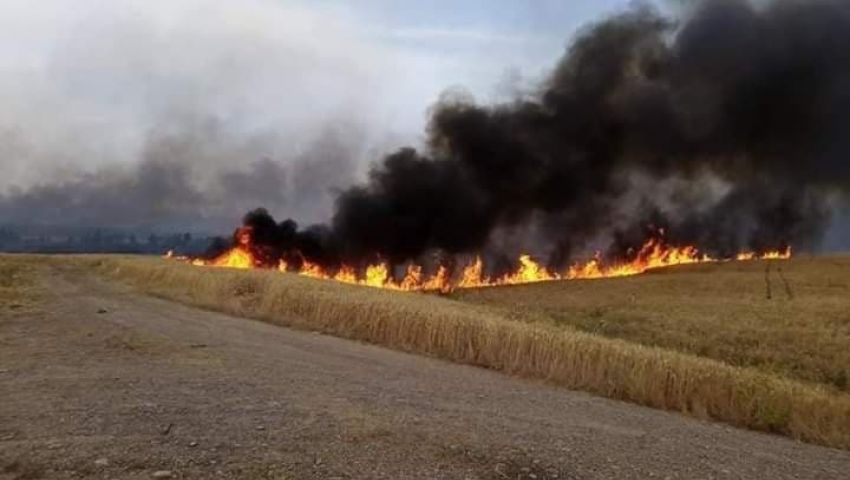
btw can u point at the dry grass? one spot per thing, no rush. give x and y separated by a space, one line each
536 346
718 311
19 291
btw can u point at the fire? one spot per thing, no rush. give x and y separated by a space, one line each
771 255
236 257
653 254
472 275
312 270
240 256
528 271
346 274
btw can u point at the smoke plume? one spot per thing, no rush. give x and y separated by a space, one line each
726 128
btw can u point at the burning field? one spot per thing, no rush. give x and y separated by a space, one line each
653 254
652 142
659 217
689 156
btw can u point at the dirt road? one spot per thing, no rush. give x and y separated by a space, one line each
103 382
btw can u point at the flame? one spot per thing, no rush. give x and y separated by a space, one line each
472 275
771 255
528 271
439 281
777 254
312 270
236 257
412 278
653 254
346 274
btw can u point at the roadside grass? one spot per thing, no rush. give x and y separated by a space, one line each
21 297
19 290
534 342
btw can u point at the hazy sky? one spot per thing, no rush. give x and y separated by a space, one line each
84 82
187 113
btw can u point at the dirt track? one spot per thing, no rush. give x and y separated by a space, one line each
107 383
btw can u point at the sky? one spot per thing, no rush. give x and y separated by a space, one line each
84 82
227 105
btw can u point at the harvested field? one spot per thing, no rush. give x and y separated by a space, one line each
514 331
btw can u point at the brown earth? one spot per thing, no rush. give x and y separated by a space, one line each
98 381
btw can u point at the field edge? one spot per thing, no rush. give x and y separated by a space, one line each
458 332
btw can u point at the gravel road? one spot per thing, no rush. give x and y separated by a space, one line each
107 383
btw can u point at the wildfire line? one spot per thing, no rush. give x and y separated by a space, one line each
653 254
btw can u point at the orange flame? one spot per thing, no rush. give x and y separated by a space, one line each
653 254
771 255
236 257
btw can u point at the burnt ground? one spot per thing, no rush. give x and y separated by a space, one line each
98 381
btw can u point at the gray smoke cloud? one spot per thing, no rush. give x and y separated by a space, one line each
130 114
182 180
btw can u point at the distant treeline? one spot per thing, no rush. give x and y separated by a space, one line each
100 240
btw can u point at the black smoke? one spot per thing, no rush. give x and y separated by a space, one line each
728 127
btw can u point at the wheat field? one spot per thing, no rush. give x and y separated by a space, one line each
703 340
788 318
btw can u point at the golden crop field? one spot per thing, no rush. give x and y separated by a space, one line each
704 340
784 318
